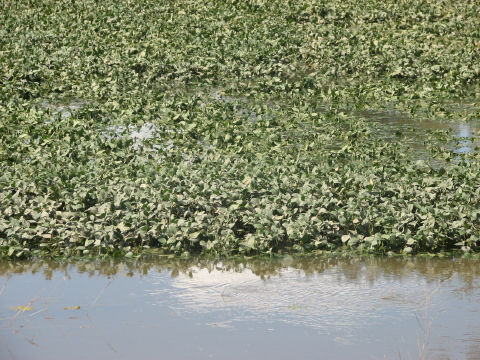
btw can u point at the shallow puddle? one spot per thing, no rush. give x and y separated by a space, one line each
63 108
413 131
307 308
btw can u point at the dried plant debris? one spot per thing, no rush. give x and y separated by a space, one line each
238 127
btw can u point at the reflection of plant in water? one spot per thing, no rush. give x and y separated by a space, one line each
317 292
425 321
466 269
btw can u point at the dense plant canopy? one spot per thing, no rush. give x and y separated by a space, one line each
237 126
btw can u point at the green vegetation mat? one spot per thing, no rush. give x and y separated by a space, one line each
238 127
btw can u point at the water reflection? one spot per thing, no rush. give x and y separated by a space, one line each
377 267
352 307
394 123
63 108
465 133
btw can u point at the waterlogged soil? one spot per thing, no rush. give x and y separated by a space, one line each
391 124
293 307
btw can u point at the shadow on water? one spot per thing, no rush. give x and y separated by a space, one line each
348 307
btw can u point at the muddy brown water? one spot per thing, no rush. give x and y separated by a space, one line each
294 307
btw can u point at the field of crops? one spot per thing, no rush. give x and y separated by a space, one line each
238 127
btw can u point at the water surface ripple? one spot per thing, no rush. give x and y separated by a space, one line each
305 307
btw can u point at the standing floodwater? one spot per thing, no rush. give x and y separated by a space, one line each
306 308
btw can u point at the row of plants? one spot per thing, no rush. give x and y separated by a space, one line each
233 127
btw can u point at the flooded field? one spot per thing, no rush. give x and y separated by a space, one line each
389 125
414 131
294 307
239 128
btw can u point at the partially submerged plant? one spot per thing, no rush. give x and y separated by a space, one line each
258 140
